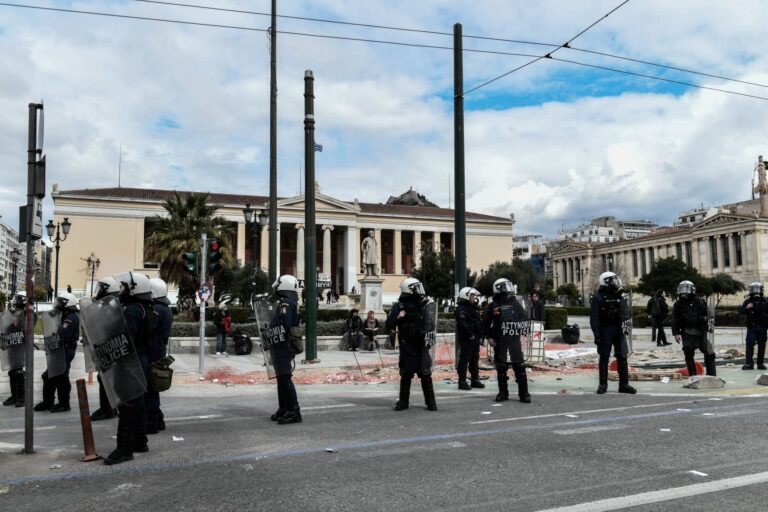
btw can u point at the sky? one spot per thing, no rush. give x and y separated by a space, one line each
554 143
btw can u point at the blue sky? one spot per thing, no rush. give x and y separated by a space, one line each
553 143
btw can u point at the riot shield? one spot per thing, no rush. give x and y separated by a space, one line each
264 310
114 354
429 319
90 366
12 352
537 342
514 345
711 303
526 341
626 323
54 343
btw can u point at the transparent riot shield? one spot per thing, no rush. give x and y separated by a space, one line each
430 335
264 310
626 323
711 303
12 352
90 366
114 354
526 341
54 343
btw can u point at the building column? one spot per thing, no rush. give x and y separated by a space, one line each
417 248
743 246
731 252
648 259
241 230
300 251
436 241
264 256
351 253
758 269
379 250
694 254
397 246
720 252
327 228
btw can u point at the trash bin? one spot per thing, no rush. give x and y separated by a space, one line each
243 344
571 334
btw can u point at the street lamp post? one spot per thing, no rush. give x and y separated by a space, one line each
255 220
57 229
15 253
93 265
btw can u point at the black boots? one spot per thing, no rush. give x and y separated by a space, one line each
749 357
103 414
126 425
292 416
464 386
405 393
462 371
761 356
477 384
522 384
709 364
429 393
602 369
16 378
63 387
503 388
623 369
49 391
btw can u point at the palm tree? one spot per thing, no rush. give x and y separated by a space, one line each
187 217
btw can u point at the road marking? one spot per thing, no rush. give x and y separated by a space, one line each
335 406
184 418
587 430
10 446
734 413
20 430
674 493
697 473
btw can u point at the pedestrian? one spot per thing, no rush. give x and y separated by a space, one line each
328 295
470 334
538 313
69 289
689 326
408 316
658 311
353 335
756 310
222 320
158 350
106 287
504 321
371 329
609 306
12 341
285 322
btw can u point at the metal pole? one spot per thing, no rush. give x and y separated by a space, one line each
310 229
29 315
203 263
56 275
273 271
460 229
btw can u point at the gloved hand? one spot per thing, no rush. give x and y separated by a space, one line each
597 340
677 339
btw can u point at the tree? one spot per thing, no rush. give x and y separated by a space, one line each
178 232
241 282
569 291
3 301
518 271
722 285
436 273
41 294
667 274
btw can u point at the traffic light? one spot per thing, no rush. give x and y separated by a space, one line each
190 261
214 255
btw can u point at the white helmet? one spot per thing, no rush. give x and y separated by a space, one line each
286 283
686 288
134 284
159 290
412 286
108 286
466 294
67 300
18 302
609 280
755 288
503 285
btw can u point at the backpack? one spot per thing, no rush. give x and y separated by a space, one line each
227 323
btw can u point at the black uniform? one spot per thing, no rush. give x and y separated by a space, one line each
757 321
106 411
16 376
689 321
70 335
287 317
157 351
415 358
470 332
606 322
503 321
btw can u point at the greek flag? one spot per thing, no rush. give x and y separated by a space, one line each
319 148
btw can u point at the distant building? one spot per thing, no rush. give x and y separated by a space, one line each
600 230
637 228
12 263
531 248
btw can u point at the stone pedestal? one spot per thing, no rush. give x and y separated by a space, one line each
370 295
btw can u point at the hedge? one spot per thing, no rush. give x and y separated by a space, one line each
723 318
556 318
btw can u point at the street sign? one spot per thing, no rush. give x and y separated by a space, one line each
204 293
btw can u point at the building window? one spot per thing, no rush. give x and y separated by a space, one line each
387 251
737 248
726 251
652 257
634 263
679 251
688 254
610 231
713 252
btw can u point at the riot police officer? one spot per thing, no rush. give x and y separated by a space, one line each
286 318
69 330
157 351
106 287
408 316
689 325
136 299
505 319
756 310
469 329
606 322
12 330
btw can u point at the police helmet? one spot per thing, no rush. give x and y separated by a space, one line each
134 284
159 290
66 300
107 286
286 283
18 302
412 286
686 288
609 280
756 288
469 294
503 285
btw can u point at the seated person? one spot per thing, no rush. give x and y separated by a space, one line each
371 329
353 327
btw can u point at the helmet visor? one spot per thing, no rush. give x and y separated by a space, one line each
505 287
685 289
417 289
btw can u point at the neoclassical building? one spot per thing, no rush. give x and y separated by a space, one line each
113 223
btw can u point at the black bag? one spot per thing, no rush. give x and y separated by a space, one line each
161 374
571 334
243 344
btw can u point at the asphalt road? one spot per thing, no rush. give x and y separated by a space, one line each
652 451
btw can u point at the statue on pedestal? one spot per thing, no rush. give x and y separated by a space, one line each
369 254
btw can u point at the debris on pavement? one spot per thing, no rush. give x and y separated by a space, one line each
177 438
704 382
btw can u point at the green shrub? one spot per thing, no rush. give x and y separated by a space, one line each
577 310
556 318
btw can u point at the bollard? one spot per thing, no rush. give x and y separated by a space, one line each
85 423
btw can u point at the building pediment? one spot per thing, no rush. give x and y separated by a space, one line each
322 203
721 219
568 246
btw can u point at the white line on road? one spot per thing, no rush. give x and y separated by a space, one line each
674 493
587 430
184 418
335 406
19 430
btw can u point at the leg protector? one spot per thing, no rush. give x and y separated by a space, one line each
126 424
690 363
49 392
12 399
750 353
602 371
623 368
20 392
63 388
429 392
761 355
522 383
405 391
503 394
709 364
